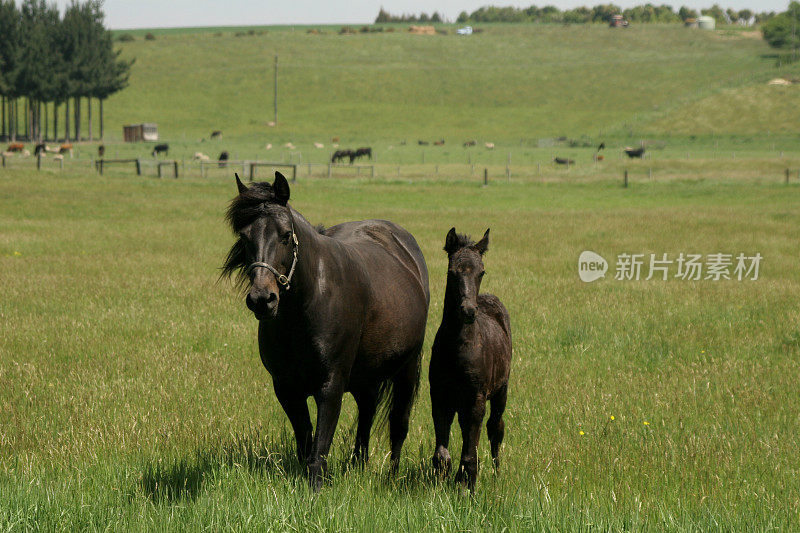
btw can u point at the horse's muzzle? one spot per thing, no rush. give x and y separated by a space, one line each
263 305
468 313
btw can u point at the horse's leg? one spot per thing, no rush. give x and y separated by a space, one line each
296 409
495 427
470 420
443 415
367 401
329 404
403 389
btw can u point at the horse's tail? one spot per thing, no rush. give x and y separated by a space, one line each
389 394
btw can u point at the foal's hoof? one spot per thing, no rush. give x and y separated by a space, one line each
441 462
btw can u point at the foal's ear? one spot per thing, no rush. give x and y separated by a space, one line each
483 245
241 186
451 242
281 188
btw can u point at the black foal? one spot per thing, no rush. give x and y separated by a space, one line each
471 359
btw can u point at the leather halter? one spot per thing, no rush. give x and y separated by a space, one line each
283 279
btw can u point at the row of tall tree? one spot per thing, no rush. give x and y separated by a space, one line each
602 13
49 61
598 14
384 17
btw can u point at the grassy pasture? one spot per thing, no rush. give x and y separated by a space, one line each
509 84
131 394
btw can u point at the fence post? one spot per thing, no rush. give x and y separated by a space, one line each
252 171
159 169
294 173
102 162
61 164
175 167
329 169
39 162
650 172
787 176
372 175
625 179
485 177
138 167
4 160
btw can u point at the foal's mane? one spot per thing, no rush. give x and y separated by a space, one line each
462 241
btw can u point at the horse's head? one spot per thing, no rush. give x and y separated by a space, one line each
265 253
465 272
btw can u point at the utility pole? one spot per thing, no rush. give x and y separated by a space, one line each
275 92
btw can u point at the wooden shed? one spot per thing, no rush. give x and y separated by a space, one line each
140 132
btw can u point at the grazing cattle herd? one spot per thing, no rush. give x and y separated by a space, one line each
344 155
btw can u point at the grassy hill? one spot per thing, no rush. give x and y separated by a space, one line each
510 84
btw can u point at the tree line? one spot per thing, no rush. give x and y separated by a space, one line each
49 61
783 30
602 13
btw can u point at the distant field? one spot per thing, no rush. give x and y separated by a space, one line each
131 394
509 84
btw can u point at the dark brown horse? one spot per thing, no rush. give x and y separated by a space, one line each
471 359
339 310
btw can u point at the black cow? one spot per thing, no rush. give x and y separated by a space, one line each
101 150
635 153
563 161
339 155
216 134
361 152
224 156
40 149
160 148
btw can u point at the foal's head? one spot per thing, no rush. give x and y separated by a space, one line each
264 253
465 272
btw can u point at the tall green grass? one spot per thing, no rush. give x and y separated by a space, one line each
132 395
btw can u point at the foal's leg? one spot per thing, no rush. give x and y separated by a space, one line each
297 411
367 401
443 415
470 420
495 427
404 386
329 404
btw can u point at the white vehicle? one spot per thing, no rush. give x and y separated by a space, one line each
466 30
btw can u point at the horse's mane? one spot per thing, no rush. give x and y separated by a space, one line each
242 211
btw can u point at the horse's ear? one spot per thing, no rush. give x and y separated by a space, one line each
281 188
241 186
451 241
483 245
